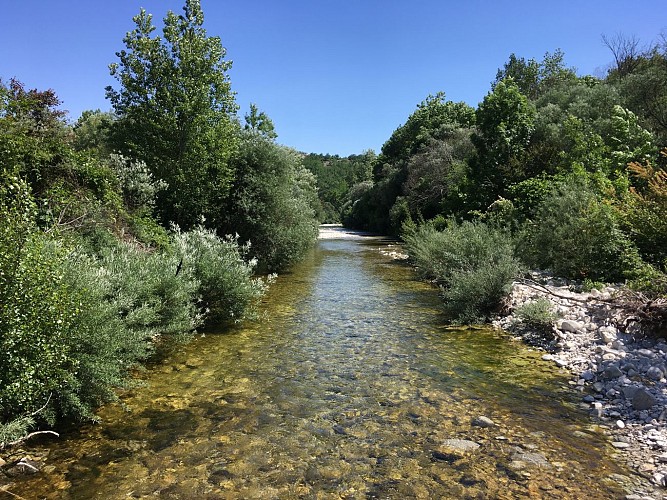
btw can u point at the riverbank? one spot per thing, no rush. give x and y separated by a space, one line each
620 376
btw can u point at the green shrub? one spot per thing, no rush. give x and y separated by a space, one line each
472 263
35 312
227 288
129 302
576 235
272 203
538 314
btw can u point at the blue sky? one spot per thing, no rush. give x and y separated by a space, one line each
335 76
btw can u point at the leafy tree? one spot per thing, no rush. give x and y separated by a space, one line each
577 235
505 123
33 134
642 85
437 176
174 109
91 131
271 203
335 178
260 122
35 311
534 78
428 119
645 211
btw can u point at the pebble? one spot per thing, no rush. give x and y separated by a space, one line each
482 422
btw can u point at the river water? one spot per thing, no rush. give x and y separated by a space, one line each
351 386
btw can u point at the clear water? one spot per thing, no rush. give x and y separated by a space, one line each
348 389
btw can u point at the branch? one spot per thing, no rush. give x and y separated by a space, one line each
32 434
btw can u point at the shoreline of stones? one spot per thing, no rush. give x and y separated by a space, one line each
622 377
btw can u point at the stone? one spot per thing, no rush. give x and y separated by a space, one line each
612 371
571 326
521 458
482 422
620 424
629 392
642 400
654 373
460 444
606 337
620 445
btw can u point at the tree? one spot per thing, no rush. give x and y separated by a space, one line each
505 123
91 131
535 78
260 122
272 203
175 111
626 51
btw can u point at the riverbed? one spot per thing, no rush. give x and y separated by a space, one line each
349 386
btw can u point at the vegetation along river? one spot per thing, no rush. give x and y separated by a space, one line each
350 387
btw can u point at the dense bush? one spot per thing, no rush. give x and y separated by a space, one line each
576 235
473 264
227 289
73 324
35 312
538 315
272 203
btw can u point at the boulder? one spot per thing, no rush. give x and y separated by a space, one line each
654 373
642 400
571 326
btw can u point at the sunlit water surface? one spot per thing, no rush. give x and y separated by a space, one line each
348 389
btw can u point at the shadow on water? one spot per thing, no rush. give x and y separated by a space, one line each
352 387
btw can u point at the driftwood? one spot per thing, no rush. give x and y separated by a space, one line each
32 434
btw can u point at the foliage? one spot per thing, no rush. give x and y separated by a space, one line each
271 204
505 122
534 78
435 120
426 122
226 287
437 175
174 109
473 264
336 178
136 182
92 132
259 122
35 312
645 211
538 314
578 236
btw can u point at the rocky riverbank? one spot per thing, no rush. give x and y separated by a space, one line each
620 375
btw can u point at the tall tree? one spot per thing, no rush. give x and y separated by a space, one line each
176 111
505 123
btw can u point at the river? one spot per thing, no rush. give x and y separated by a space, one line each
350 386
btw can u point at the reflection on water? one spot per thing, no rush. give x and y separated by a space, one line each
351 388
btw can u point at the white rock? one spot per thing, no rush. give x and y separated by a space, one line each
571 326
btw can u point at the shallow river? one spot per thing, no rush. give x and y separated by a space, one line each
351 387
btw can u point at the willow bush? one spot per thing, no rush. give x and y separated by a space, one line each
473 264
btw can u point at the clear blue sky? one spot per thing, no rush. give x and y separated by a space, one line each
335 76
